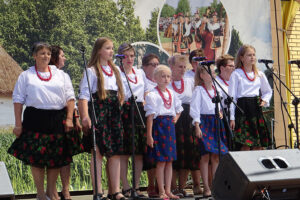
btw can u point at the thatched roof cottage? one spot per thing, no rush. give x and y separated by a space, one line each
9 72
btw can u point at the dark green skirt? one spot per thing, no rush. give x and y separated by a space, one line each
250 127
109 128
140 136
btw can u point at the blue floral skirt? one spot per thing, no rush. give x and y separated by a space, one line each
209 141
163 133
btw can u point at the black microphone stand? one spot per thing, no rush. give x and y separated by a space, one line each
93 127
295 102
133 105
216 100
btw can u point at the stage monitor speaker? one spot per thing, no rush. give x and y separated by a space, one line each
6 190
247 175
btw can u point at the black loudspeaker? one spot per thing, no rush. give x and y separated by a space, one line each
247 175
6 190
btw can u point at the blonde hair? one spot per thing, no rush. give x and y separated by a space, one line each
161 68
95 62
177 58
241 52
199 70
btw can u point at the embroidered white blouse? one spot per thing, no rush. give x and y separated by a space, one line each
202 103
155 105
49 95
186 96
139 88
240 86
110 82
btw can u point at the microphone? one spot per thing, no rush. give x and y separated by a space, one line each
265 61
297 62
199 58
121 56
208 63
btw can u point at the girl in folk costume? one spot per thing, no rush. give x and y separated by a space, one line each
202 111
150 62
188 157
245 85
74 140
107 90
137 81
162 108
41 141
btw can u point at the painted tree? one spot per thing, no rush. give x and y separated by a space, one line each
151 31
235 42
184 7
167 11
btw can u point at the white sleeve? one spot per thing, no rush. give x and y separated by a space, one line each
83 87
19 93
150 105
177 104
146 89
195 105
266 89
232 91
69 91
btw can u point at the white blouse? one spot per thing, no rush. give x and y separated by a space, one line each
225 87
150 85
240 86
48 95
202 104
190 74
155 105
186 95
139 88
110 82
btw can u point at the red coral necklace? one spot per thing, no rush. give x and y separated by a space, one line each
167 102
41 78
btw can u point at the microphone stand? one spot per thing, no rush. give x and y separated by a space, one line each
133 105
216 100
93 125
295 102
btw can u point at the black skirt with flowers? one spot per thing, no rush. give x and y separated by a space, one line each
140 136
109 129
250 127
43 140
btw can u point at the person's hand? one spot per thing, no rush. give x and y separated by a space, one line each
150 141
69 125
221 115
86 125
263 103
232 124
198 132
78 126
17 131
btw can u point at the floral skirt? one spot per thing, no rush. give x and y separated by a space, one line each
43 142
140 136
163 133
250 127
188 154
109 128
209 141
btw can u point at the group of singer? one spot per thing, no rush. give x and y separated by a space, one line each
182 128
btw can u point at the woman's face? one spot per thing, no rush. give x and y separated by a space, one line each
129 59
249 58
178 69
107 51
42 57
61 59
150 67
